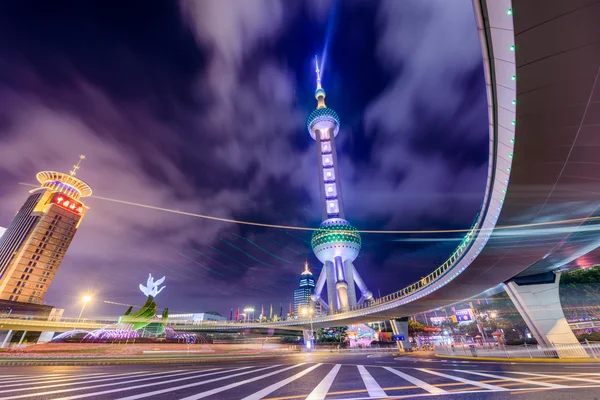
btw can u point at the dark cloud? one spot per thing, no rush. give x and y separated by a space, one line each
200 106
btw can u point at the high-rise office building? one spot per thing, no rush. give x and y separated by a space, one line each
37 238
305 289
336 243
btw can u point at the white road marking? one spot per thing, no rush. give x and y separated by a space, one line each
6 378
45 379
270 389
236 384
170 374
463 380
544 384
158 383
125 375
567 378
423 385
372 386
323 387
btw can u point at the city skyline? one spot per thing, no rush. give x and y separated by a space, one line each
160 132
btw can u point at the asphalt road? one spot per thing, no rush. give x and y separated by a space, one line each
307 376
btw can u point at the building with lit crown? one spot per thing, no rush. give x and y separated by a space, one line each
305 289
35 242
336 243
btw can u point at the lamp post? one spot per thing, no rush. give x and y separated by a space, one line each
249 310
86 299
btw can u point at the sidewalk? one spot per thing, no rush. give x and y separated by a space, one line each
525 360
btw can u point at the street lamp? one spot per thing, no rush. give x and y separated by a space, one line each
249 310
86 299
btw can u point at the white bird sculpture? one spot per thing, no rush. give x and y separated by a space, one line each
151 288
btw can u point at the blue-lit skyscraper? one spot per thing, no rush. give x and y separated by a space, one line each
305 289
336 243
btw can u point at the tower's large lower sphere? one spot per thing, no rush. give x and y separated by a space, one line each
336 238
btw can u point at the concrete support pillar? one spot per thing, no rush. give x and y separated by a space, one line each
45 337
5 338
349 268
22 337
537 300
400 328
308 339
331 292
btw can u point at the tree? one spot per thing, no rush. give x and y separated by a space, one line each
332 335
414 327
579 292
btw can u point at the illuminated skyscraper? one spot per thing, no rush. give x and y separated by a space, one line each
304 291
37 239
336 243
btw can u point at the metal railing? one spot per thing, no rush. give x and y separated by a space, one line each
572 350
427 280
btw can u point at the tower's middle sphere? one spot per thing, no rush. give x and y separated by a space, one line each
336 237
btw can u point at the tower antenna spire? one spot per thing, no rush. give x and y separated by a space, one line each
319 87
77 166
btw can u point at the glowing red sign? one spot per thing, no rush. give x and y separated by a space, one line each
68 203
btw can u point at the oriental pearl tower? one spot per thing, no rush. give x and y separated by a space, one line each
336 243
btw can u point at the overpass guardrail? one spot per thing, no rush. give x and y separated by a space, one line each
584 349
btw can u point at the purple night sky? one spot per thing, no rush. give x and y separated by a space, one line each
201 106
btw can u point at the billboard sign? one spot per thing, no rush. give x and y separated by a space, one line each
463 315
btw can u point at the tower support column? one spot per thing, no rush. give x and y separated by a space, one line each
400 328
331 292
349 268
341 285
537 300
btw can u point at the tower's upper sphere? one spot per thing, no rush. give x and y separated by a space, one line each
336 237
323 119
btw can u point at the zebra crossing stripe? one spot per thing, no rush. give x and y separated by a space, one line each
125 375
9 378
545 384
371 384
423 385
234 385
171 389
151 377
463 380
53 380
567 378
158 383
323 387
270 389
